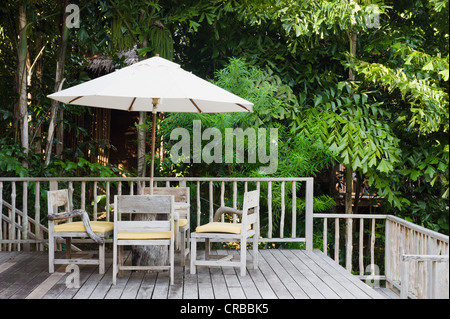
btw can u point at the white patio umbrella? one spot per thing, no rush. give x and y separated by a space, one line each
155 85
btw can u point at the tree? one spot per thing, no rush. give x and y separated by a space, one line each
387 122
59 79
297 154
22 53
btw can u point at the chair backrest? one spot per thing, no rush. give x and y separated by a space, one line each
143 204
181 193
251 202
56 199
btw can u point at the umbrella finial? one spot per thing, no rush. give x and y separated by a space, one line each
156 54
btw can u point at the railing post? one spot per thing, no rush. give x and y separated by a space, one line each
1 213
26 246
387 252
309 214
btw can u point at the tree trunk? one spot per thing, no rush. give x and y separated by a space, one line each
333 188
357 192
141 144
150 255
349 179
58 81
352 38
348 189
147 255
22 53
349 171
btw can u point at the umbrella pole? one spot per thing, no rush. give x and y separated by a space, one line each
152 168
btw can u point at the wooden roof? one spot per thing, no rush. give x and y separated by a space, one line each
100 64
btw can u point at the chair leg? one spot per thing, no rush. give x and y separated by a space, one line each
188 241
207 248
120 261
51 254
243 256
101 259
183 248
193 254
171 261
114 263
68 247
255 252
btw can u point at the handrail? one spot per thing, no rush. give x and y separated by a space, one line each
405 273
418 228
156 179
404 242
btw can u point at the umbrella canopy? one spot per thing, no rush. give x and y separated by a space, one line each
153 85
135 87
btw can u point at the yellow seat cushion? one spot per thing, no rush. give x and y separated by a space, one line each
218 227
78 227
182 222
143 235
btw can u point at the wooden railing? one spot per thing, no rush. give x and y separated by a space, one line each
415 259
207 194
419 251
407 243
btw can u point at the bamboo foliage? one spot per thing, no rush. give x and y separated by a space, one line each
162 41
120 38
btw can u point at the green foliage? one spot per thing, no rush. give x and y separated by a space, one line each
83 167
10 165
390 125
274 106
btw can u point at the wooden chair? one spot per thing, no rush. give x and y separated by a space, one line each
227 232
96 230
182 207
143 232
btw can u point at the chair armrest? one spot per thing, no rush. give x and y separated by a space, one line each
225 210
84 216
65 215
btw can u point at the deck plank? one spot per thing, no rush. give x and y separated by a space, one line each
298 276
294 289
283 274
147 286
176 290
24 278
272 279
205 284
312 277
356 282
335 285
344 281
86 271
161 290
217 279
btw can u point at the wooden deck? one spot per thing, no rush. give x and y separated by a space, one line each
282 274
